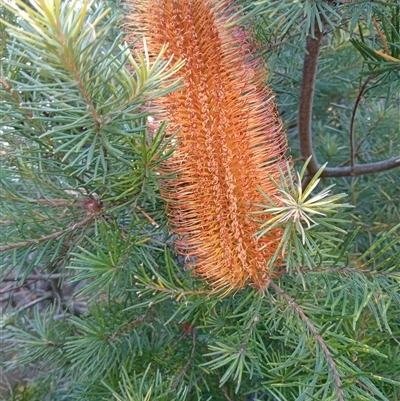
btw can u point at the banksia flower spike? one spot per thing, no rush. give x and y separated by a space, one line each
229 143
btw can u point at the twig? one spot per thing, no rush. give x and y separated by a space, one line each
12 288
387 57
7 289
58 298
179 293
298 159
154 223
37 277
45 238
36 301
353 150
331 363
40 201
187 364
62 316
361 143
131 324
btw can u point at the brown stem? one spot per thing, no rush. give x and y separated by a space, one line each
361 143
45 238
361 169
310 66
131 325
34 302
36 277
353 150
331 363
40 201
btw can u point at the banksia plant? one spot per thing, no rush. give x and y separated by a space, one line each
229 139
94 305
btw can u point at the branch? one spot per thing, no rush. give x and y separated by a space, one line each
35 277
130 325
45 238
310 64
331 363
360 169
34 302
353 117
48 202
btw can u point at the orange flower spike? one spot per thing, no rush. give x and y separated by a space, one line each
230 140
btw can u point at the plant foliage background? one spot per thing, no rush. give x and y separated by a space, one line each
111 313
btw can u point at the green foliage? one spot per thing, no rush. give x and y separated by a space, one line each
80 207
146 388
296 215
385 65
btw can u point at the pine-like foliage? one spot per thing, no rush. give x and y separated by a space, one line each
96 303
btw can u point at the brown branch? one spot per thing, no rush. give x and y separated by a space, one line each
331 363
179 293
72 67
361 169
131 325
12 288
37 277
48 202
45 238
353 150
361 143
310 65
154 223
34 302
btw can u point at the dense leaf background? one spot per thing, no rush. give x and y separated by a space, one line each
95 303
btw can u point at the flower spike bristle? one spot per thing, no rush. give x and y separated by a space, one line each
230 140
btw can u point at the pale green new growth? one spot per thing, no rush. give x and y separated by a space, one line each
308 221
297 209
